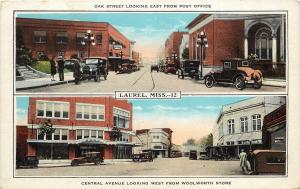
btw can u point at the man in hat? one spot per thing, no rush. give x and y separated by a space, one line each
61 66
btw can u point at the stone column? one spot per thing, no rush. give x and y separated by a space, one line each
274 51
246 47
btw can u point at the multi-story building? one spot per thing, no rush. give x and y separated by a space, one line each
238 36
172 46
157 140
239 125
61 37
82 124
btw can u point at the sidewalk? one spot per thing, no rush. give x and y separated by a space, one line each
274 82
43 82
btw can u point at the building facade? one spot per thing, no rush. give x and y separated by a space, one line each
239 125
183 45
82 124
53 38
172 46
157 140
238 36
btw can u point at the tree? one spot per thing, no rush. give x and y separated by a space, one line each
206 140
185 53
23 55
190 141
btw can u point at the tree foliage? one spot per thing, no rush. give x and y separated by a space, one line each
191 141
185 53
23 54
47 128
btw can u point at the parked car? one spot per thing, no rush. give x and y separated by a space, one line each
170 68
203 156
269 162
236 71
69 63
176 154
94 68
125 68
89 157
27 161
193 155
189 68
144 156
154 67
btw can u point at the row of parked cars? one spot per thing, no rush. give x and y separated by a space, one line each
236 71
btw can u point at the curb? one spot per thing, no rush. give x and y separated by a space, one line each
45 85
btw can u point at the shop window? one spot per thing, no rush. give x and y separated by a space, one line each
230 126
256 122
78 134
57 134
244 124
62 38
64 134
40 37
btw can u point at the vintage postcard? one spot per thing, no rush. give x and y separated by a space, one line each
142 94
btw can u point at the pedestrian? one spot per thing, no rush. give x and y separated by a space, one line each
61 66
250 161
52 68
243 160
76 72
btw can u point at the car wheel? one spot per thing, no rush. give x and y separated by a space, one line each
209 81
239 83
75 163
257 83
97 162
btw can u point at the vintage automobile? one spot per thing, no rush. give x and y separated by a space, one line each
89 157
69 63
94 68
236 71
269 162
27 162
125 68
193 155
203 156
189 68
154 67
170 68
144 156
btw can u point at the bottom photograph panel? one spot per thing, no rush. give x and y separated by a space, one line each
241 136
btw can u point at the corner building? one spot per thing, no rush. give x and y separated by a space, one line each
82 124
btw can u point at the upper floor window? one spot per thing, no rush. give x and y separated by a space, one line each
124 138
87 133
49 109
62 38
99 38
256 122
89 112
244 124
79 38
39 37
59 134
230 124
121 118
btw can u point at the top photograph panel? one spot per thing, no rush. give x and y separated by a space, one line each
195 53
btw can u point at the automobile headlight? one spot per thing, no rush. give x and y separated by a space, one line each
91 70
81 69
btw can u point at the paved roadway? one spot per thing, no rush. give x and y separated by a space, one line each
159 167
144 80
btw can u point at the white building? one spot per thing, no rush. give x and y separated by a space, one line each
184 44
240 124
157 140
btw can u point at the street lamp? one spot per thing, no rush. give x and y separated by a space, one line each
88 39
202 42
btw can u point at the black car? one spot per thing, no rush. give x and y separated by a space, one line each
89 157
27 162
94 68
236 71
154 67
193 155
69 63
189 68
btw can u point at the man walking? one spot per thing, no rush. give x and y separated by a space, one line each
61 66
243 160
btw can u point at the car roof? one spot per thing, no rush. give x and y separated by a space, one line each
93 57
269 151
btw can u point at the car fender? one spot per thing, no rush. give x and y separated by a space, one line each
244 75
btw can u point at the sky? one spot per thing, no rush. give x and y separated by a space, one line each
149 30
188 117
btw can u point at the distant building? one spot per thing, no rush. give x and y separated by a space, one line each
239 125
172 46
157 140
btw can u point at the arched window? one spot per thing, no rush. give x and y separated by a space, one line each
263 43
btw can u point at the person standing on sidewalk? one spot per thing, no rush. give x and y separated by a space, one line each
243 160
61 66
52 68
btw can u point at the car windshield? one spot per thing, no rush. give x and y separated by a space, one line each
92 61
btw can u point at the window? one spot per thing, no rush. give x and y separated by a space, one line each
64 134
256 122
62 38
244 124
49 109
124 138
230 142
86 133
121 118
93 134
100 134
230 126
79 38
57 134
89 112
227 65
40 37
245 63
78 134
263 43
99 38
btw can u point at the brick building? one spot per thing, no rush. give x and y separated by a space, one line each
172 45
82 124
62 37
238 36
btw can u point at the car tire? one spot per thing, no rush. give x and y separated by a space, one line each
97 162
239 83
209 81
257 84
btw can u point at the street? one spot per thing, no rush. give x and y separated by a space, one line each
159 167
144 80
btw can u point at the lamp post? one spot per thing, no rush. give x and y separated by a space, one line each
88 39
202 42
